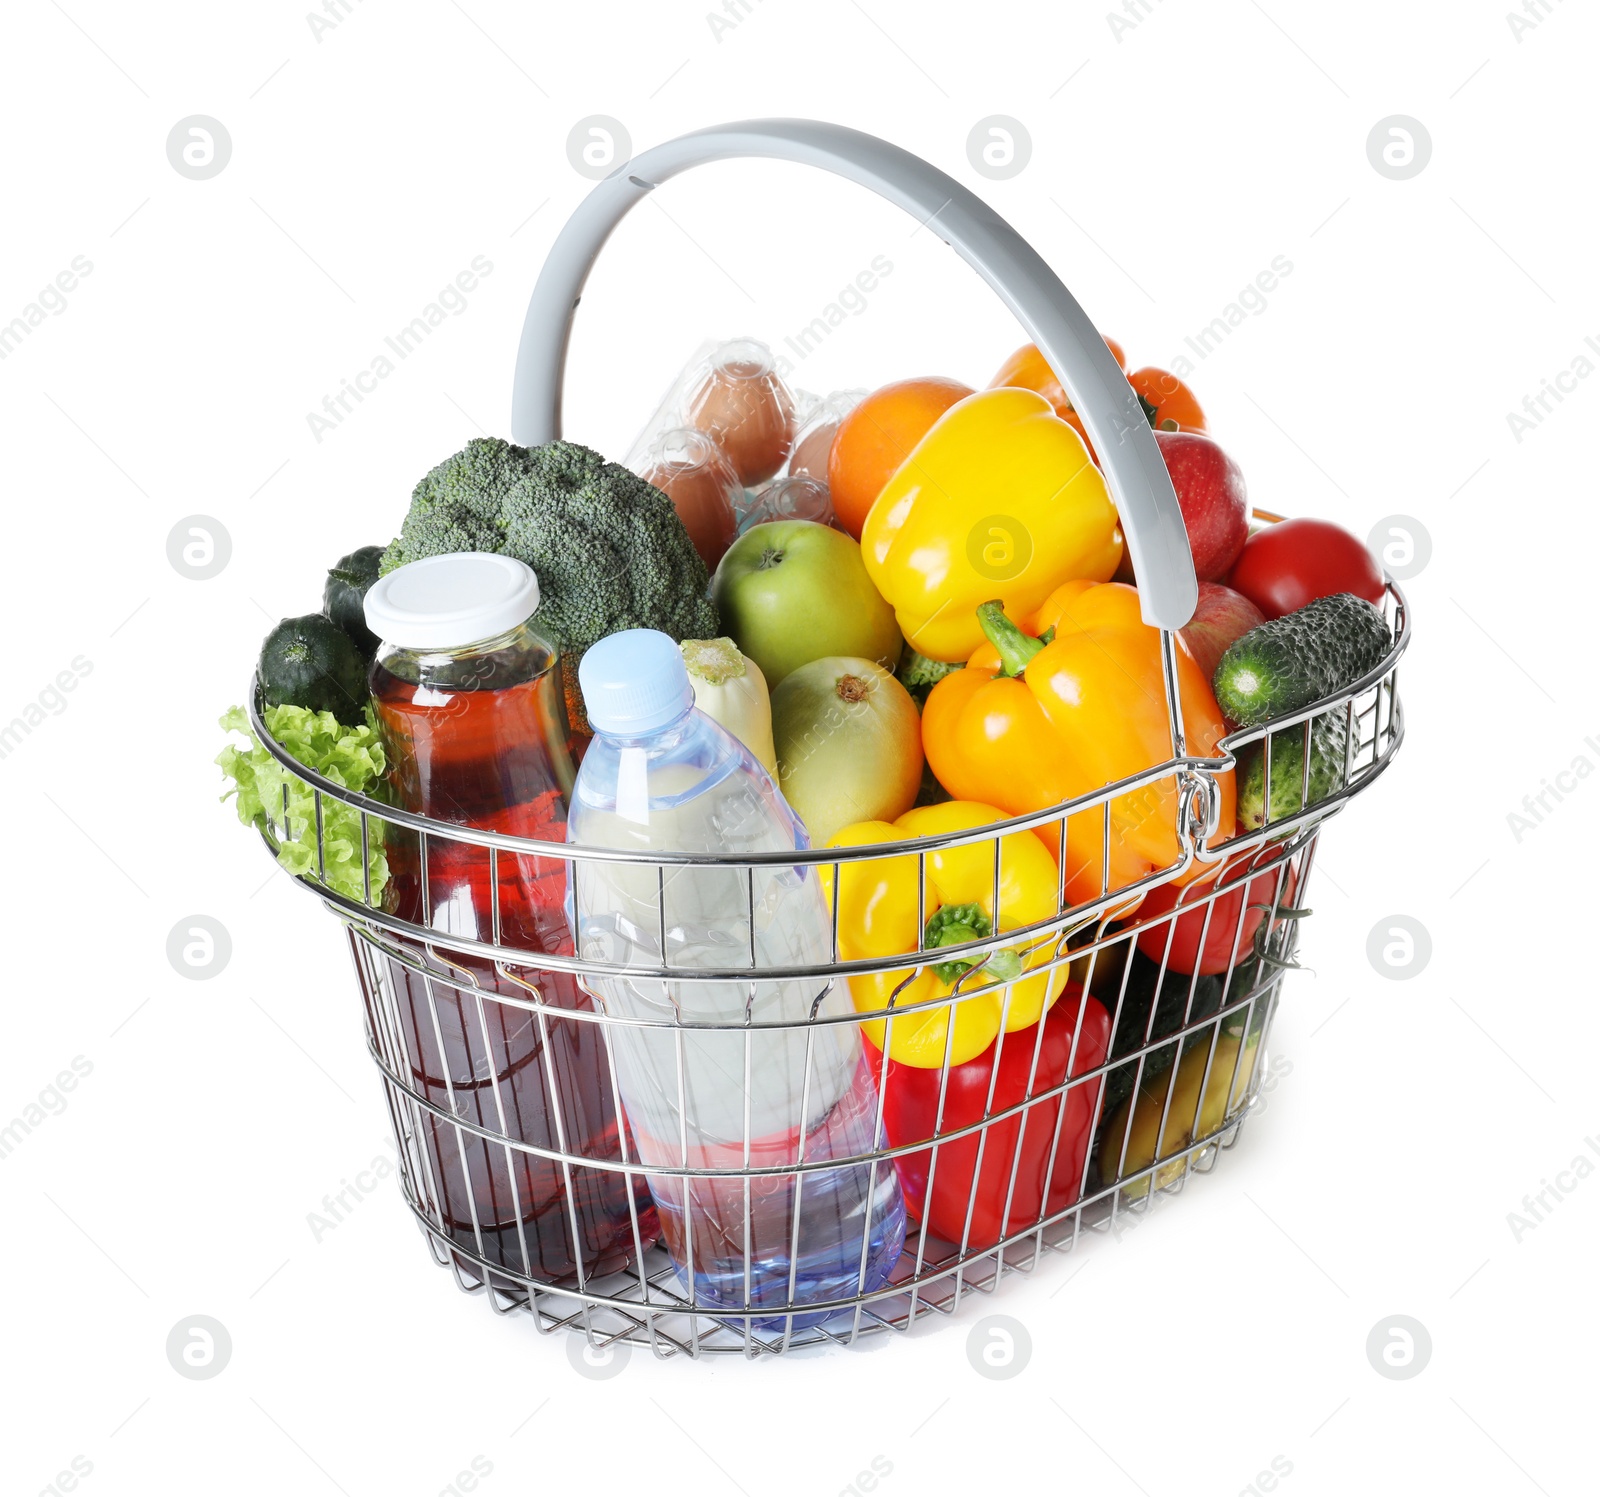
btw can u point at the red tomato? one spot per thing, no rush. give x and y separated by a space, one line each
1228 936
1287 565
911 1109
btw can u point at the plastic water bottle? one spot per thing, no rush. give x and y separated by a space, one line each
661 776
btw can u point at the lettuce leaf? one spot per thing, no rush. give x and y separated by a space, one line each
352 758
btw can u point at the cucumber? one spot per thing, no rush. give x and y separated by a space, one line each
1328 737
1288 663
311 662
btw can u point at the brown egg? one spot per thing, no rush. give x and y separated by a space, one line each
797 497
810 456
749 410
692 471
813 440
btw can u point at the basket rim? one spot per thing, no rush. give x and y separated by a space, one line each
1186 767
1243 871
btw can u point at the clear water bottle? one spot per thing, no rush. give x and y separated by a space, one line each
772 1084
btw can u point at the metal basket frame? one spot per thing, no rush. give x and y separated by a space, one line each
645 1303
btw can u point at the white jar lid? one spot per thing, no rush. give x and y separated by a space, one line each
445 602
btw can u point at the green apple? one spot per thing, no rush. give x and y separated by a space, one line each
793 591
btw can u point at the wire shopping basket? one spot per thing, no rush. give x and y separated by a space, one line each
499 1066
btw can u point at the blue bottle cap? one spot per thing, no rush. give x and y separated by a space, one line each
634 682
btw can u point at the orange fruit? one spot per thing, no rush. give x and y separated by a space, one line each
877 436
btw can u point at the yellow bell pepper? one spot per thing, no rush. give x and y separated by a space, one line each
998 499
1189 1116
878 918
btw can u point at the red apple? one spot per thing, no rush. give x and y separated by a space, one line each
1221 617
1212 497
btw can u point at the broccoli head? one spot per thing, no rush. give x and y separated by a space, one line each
608 548
919 675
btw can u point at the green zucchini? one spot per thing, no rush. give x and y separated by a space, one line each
344 596
311 662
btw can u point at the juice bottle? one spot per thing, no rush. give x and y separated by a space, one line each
727 1074
468 696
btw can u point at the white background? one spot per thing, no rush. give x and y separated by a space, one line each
1168 168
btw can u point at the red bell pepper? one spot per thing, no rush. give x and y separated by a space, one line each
1227 923
911 1113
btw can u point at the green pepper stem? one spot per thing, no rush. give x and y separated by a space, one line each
1016 648
955 925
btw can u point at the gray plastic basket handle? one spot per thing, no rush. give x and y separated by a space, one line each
1101 395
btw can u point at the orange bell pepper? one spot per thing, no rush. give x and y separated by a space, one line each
1028 724
1027 369
1169 404
982 730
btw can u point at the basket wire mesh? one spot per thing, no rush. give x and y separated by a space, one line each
494 1082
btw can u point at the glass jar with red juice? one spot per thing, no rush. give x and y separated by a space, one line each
468 696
